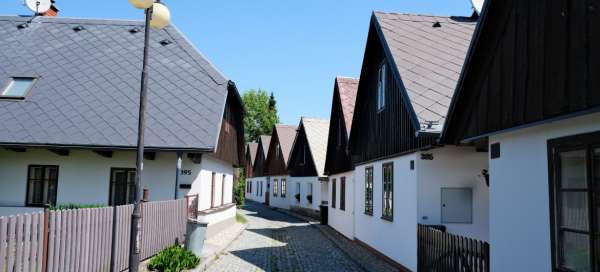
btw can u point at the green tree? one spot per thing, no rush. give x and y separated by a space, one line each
261 113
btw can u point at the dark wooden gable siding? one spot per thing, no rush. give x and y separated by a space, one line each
275 165
296 166
531 61
248 167
259 161
338 156
231 146
377 135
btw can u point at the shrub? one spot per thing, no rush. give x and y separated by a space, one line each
240 189
72 206
173 259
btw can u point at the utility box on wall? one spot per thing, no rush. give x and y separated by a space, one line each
457 205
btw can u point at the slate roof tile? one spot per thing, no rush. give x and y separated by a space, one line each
88 87
428 59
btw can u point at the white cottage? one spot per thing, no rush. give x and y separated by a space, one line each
537 112
69 94
402 177
280 147
338 165
256 181
306 167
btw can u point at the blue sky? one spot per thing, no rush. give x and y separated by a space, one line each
293 48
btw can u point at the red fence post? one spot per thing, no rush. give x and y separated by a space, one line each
45 241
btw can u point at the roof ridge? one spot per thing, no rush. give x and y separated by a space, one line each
412 15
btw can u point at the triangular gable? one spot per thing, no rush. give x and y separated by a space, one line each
313 133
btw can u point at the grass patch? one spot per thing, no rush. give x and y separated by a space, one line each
72 206
173 259
240 218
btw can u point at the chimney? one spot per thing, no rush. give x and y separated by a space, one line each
52 12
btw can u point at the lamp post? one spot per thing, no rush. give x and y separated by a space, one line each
158 17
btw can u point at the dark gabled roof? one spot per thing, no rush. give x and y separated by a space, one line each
347 87
286 135
252 148
428 59
316 131
87 92
265 141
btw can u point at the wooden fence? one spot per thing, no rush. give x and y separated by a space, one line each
440 251
82 240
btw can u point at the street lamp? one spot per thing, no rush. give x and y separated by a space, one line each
157 17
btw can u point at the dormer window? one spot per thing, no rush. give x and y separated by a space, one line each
381 82
17 88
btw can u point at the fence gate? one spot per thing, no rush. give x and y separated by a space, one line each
440 251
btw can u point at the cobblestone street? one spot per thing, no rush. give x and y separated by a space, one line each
274 241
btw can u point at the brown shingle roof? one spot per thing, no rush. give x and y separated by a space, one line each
348 87
429 59
317 131
265 140
253 147
287 135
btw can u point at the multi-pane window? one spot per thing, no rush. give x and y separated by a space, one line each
333 193
275 187
387 211
42 183
122 186
283 187
310 192
575 181
381 81
343 193
369 191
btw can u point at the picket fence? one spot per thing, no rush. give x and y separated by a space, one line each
83 240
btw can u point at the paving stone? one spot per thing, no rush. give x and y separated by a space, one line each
275 241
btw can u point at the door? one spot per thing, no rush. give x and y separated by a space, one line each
575 202
268 190
122 186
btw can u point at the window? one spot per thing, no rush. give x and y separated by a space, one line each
340 133
275 183
381 83
369 191
387 211
18 87
122 186
303 162
343 193
283 187
574 198
333 194
277 151
248 185
212 191
457 205
223 190
42 181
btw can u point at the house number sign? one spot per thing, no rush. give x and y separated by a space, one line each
186 172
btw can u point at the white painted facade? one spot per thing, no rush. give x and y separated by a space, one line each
307 186
342 220
84 177
396 239
519 194
259 187
456 168
276 200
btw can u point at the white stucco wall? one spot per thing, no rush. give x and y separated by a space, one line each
201 180
304 191
83 176
257 194
453 167
278 201
397 239
519 194
342 221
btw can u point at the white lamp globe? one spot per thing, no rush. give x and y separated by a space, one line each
161 16
141 4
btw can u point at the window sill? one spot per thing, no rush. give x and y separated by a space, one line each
369 214
389 219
